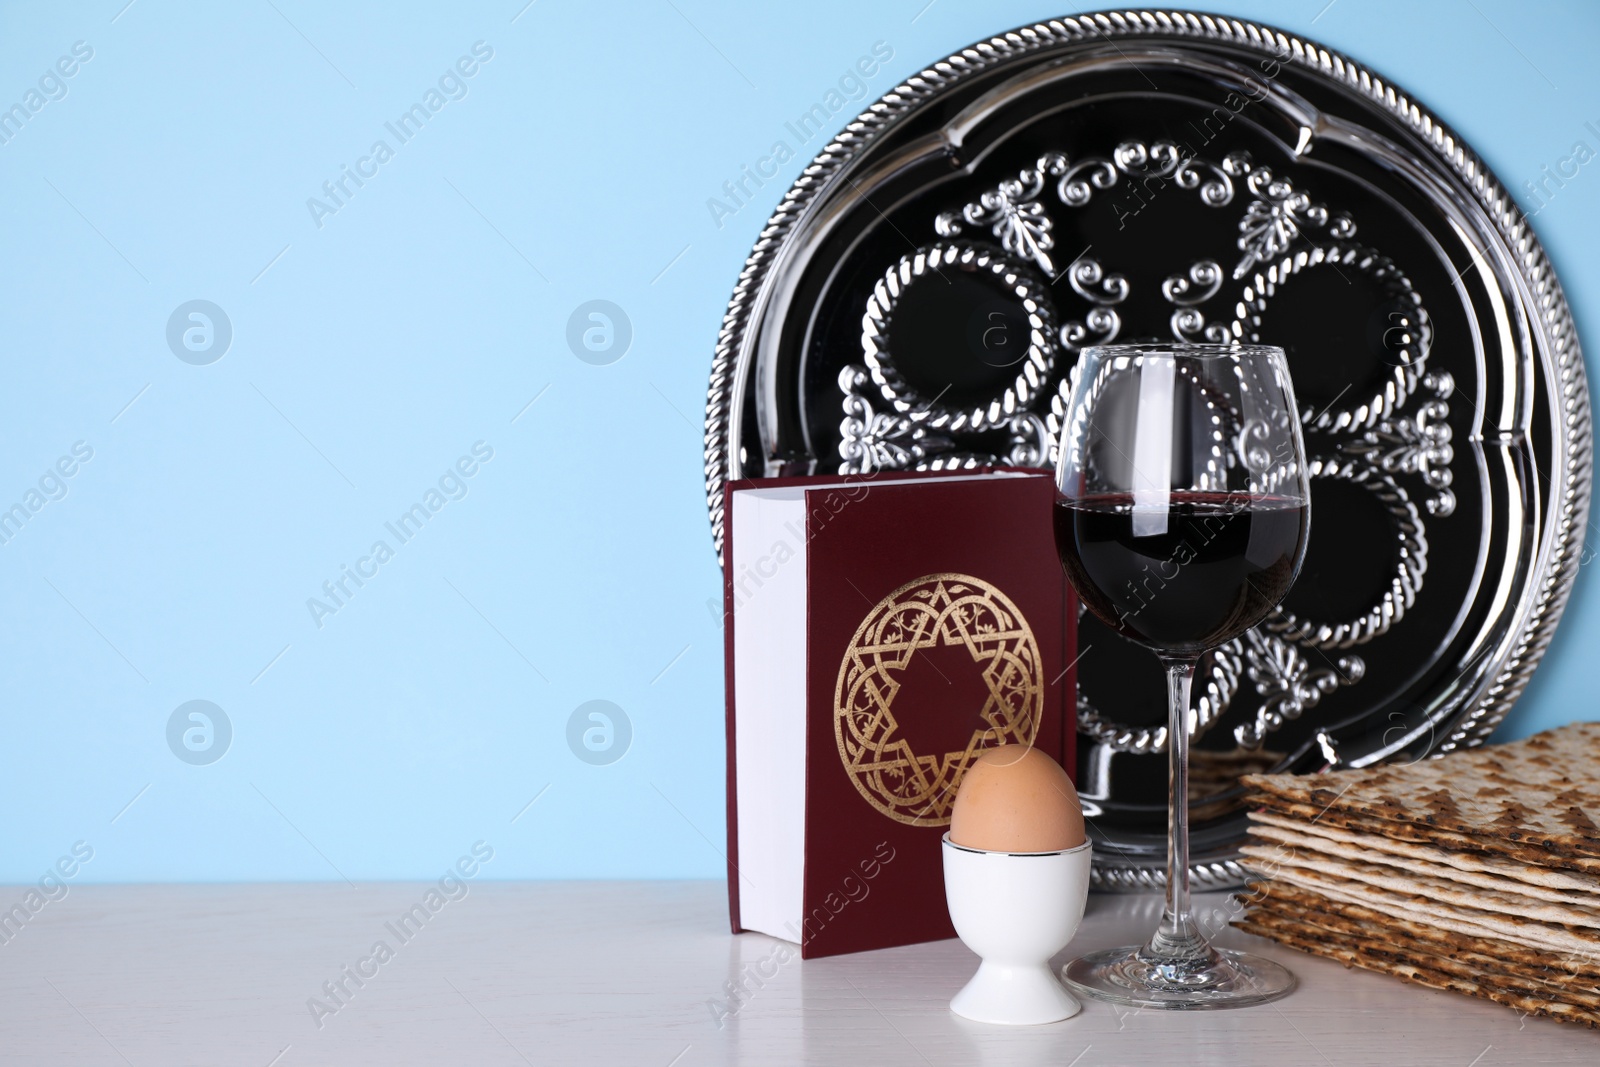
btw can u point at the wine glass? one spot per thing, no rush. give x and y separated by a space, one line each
1181 516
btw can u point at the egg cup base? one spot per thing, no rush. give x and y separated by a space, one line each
1015 996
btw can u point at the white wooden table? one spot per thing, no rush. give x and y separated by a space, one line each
602 973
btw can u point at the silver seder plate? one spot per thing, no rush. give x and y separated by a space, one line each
919 298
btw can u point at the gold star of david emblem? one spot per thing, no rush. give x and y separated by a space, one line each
936 610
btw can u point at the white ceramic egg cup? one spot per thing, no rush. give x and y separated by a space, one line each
1015 910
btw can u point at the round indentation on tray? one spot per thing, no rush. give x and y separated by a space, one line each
1368 353
981 325
1349 500
1135 719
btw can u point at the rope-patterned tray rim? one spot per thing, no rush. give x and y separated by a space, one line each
1558 557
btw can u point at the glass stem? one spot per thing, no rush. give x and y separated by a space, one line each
1178 937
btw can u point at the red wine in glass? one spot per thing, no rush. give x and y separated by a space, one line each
1211 568
1181 518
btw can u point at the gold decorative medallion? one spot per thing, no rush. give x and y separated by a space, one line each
955 610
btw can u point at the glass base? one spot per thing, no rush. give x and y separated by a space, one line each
1221 978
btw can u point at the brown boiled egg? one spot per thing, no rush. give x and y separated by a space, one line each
1016 799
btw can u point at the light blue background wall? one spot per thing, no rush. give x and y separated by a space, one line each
372 351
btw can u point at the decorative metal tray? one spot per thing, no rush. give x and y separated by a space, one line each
919 298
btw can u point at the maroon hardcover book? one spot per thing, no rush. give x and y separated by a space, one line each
881 631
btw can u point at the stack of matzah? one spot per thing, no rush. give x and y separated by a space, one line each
1478 872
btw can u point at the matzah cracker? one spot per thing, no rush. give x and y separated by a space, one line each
1453 954
1424 976
1542 882
1269 861
1518 851
1464 920
1535 792
1402 950
1302 903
